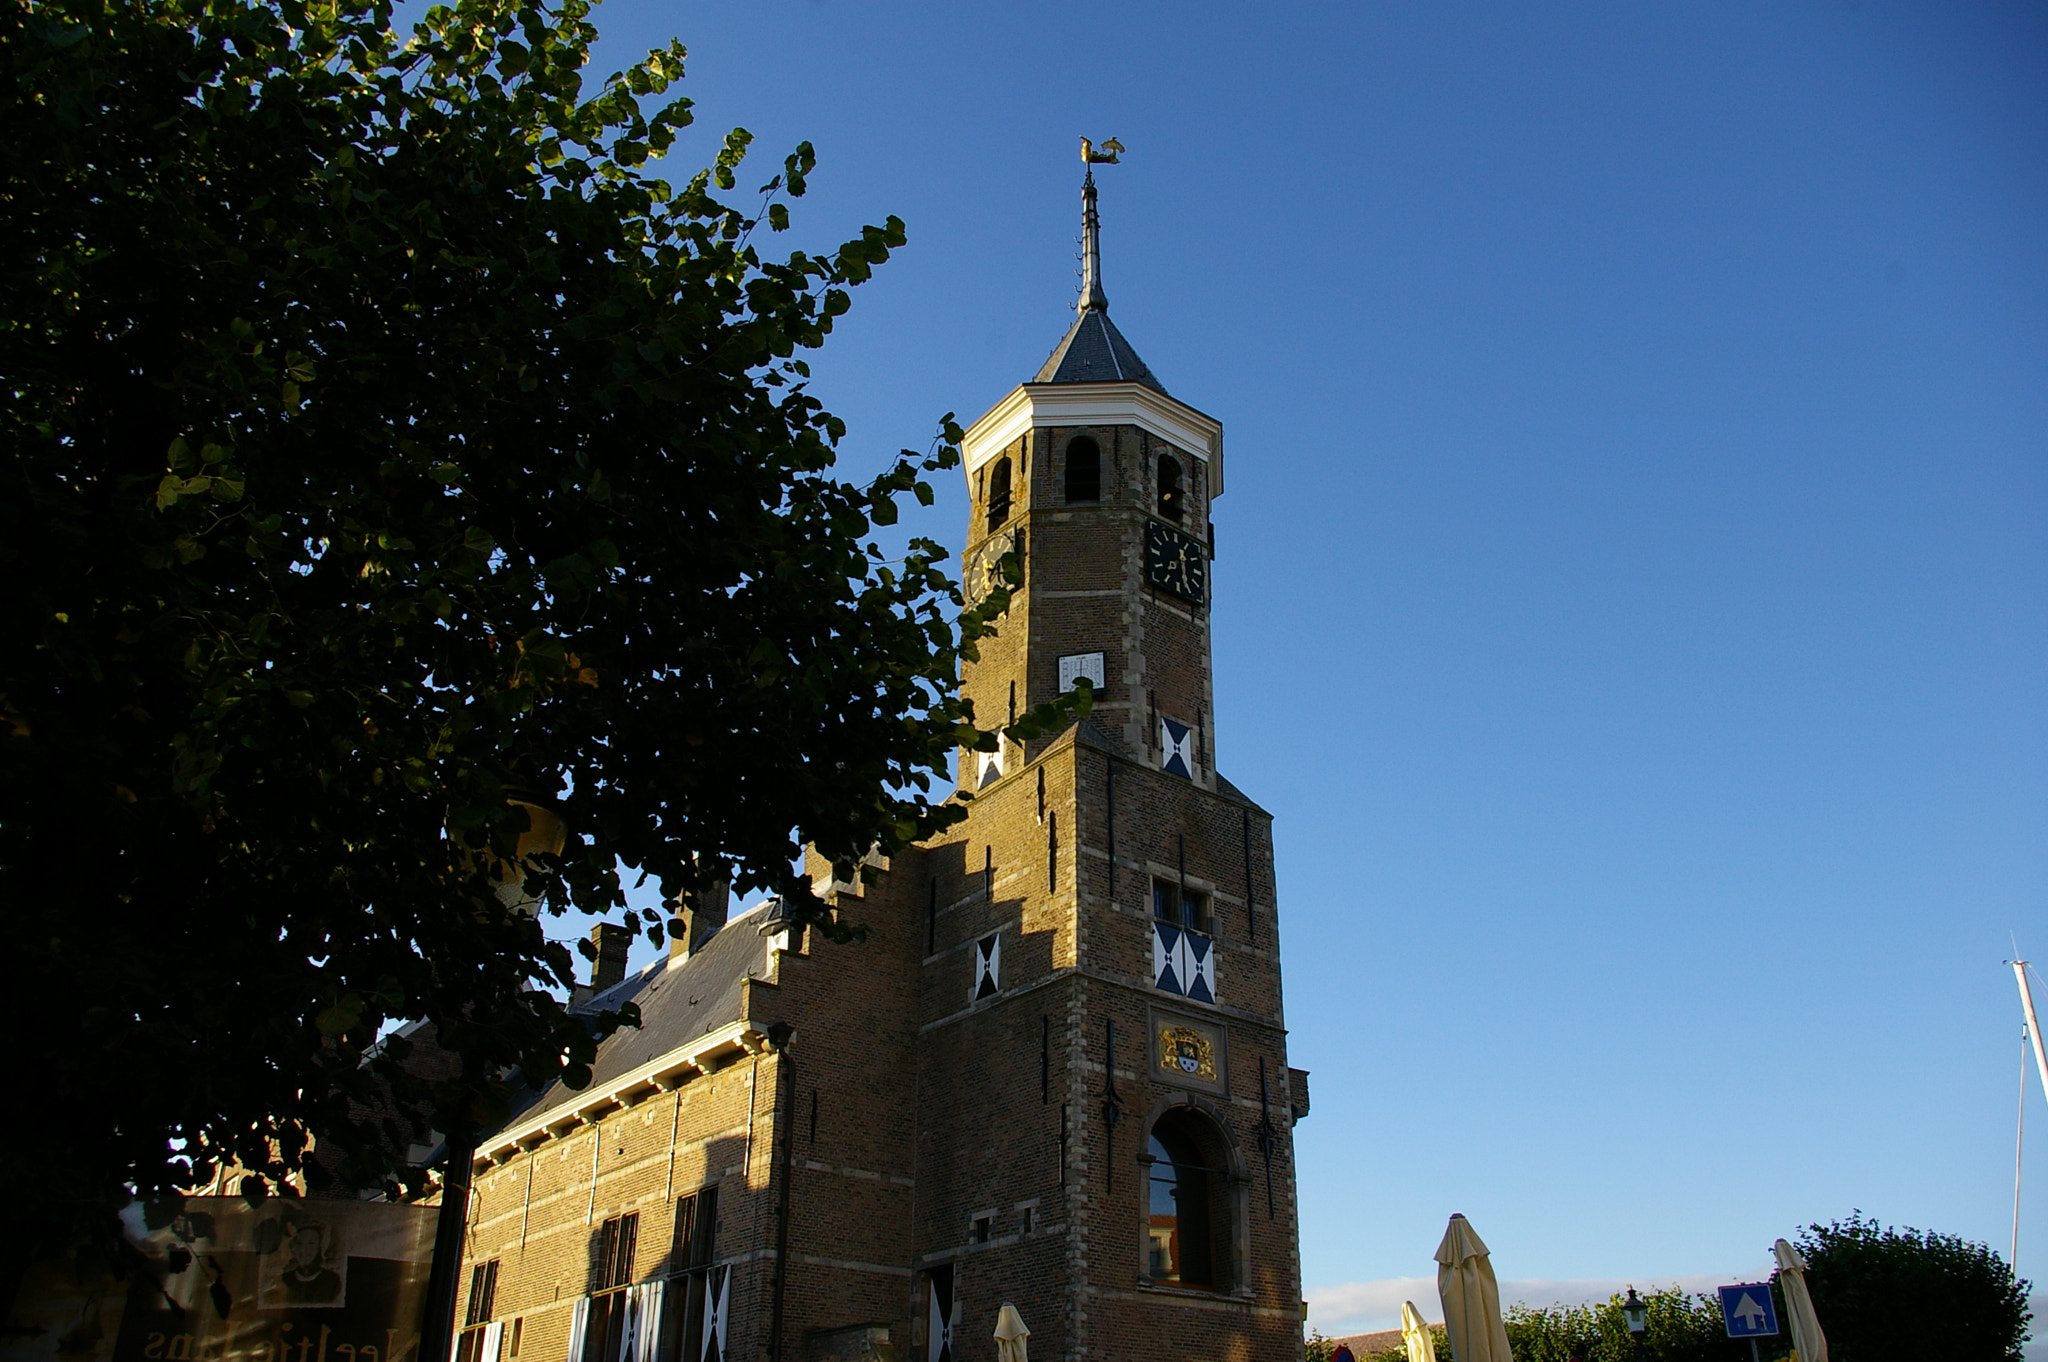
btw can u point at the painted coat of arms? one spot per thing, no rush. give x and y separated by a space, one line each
1184 1050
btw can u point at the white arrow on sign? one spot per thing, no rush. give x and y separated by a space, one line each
1749 1312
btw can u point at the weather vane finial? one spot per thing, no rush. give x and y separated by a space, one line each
1093 299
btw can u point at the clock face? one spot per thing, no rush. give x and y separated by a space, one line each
985 570
1176 562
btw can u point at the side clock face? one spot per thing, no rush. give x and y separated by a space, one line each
1176 562
986 569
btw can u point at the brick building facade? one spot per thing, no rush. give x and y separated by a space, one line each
1054 1075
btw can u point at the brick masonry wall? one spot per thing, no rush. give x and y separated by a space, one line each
905 1112
995 1136
537 1213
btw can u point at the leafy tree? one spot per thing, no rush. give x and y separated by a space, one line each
1681 1328
1882 1293
388 451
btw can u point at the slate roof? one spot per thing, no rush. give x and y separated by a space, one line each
678 1003
1094 351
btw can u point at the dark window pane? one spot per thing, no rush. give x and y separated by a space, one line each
629 1234
1178 1210
598 1327
1172 500
1084 470
703 1246
999 494
602 1250
680 1243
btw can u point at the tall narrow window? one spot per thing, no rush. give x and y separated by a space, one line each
1182 1222
1172 496
690 1261
999 495
479 1339
609 1317
1183 950
1084 470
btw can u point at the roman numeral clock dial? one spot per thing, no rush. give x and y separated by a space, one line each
1176 562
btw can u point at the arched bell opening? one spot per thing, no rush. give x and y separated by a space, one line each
999 494
1172 490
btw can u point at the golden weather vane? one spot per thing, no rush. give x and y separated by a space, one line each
1105 157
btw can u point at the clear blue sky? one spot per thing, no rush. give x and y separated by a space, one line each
1633 585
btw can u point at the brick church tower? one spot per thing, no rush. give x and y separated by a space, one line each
1054 1075
1111 896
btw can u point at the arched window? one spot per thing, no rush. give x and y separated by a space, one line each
1171 495
1084 470
999 494
1186 1222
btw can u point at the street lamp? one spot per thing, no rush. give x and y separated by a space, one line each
1636 1312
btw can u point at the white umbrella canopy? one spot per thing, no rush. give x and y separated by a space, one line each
1807 1338
1010 1334
1471 1296
1415 1334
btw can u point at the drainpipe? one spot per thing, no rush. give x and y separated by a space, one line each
778 1041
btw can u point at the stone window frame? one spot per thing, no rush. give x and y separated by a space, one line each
1235 1178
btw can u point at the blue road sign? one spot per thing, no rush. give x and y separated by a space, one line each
1747 1310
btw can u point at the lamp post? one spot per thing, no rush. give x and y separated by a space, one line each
1635 1312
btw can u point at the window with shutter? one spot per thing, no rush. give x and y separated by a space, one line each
695 1280
612 1322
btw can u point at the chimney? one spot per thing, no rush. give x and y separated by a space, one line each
612 942
701 916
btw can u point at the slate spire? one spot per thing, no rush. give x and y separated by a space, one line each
1093 299
1093 350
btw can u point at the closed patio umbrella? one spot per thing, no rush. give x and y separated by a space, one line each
1010 1334
1415 1334
1471 1296
1811 1343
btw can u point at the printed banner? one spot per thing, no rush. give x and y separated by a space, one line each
224 1281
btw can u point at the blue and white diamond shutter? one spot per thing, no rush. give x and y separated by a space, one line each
712 1346
1200 970
944 1315
988 966
1176 749
1165 958
1183 963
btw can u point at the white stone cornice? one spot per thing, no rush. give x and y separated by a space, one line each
664 1074
1033 405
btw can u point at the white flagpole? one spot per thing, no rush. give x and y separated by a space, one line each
2033 1035
2019 972
2019 1146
